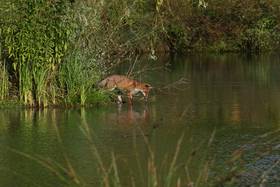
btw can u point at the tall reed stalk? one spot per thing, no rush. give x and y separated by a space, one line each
4 81
40 74
4 75
25 84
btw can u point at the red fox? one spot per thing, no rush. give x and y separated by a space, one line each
132 87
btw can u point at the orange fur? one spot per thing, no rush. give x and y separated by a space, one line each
126 84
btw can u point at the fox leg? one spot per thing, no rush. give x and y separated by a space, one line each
146 98
129 95
119 99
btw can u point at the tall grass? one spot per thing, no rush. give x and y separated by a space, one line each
40 75
4 81
25 85
4 75
78 76
47 45
35 42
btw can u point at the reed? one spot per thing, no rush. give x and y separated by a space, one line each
36 42
40 75
4 75
4 81
25 85
78 78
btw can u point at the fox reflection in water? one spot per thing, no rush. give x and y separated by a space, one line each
129 120
126 120
129 116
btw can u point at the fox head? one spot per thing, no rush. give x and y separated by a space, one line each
146 89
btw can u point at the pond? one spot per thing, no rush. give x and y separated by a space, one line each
206 115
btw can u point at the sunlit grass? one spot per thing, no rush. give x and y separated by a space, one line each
25 85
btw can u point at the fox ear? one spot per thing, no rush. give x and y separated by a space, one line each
148 86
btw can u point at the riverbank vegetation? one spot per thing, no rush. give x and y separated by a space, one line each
53 52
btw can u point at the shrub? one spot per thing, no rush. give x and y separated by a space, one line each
261 37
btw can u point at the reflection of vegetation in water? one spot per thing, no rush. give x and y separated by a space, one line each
164 168
172 170
151 172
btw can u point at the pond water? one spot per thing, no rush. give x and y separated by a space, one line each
204 107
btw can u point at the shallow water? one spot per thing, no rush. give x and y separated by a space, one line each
232 98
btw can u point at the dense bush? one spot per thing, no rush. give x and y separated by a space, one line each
36 37
221 24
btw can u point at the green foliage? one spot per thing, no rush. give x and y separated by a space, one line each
219 46
78 75
114 29
41 40
4 76
98 97
220 25
261 37
36 40
40 33
55 51
4 81
177 37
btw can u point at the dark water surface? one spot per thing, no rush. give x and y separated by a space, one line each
235 98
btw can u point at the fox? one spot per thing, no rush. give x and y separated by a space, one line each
123 83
